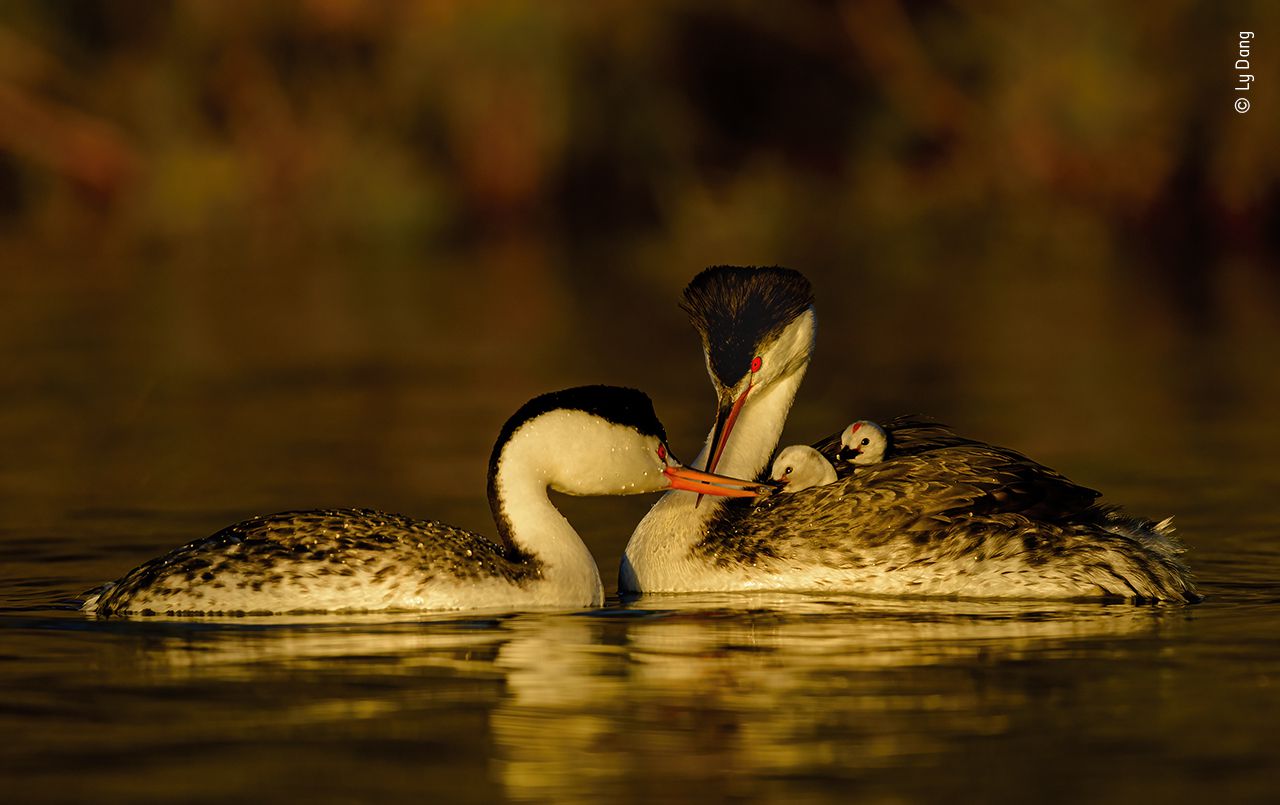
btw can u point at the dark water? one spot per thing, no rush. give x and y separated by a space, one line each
147 406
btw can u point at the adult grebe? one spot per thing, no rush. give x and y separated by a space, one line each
799 467
940 515
593 440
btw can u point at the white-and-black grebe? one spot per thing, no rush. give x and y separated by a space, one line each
592 440
939 515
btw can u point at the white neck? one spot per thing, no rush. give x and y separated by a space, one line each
675 524
756 431
518 492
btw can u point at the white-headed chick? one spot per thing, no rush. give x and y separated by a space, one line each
800 467
863 442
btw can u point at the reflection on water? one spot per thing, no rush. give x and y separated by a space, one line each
669 691
251 645
771 687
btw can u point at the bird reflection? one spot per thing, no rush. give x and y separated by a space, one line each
748 687
734 690
246 647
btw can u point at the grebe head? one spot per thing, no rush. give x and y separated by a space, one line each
600 440
757 328
863 442
800 467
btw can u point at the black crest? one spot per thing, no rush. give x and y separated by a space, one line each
620 406
737 308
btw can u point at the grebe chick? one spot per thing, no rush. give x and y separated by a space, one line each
863 442
593 440
800 467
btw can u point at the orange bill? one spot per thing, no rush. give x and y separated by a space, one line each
698 475
705 483
725 419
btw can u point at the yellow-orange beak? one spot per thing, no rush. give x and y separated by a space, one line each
705 483
725 419
726 416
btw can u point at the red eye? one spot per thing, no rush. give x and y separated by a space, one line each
662 452
755 364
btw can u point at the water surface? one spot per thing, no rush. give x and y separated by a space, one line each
139 413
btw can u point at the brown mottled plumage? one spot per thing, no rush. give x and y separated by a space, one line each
1000 479
292 556
941 511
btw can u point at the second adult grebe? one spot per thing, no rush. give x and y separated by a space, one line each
593 440
940 515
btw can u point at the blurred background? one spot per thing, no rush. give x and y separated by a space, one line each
259 256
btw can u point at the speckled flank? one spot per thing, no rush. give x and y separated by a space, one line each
951 516
361 558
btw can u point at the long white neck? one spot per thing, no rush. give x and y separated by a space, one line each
530 523
756 432
675 523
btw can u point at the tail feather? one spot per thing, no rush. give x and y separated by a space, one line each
1157 569
93 595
